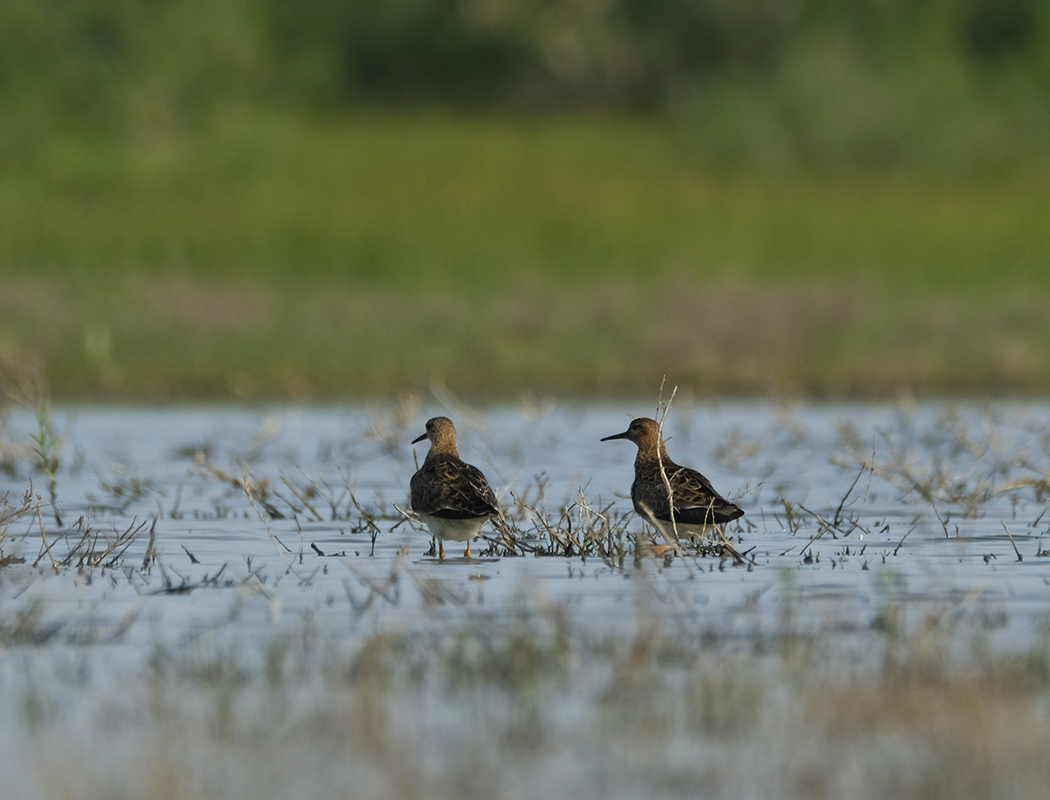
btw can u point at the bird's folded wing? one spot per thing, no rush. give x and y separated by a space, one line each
454 491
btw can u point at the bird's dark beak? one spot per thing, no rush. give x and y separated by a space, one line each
418 439
615 436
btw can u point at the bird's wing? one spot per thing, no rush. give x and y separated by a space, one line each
695 500
452 489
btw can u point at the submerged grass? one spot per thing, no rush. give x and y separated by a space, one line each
904 696
504 707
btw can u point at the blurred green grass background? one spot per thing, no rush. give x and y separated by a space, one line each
354 200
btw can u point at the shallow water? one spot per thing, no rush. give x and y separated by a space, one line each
160 671
892 545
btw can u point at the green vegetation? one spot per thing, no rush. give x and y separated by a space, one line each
139 67
374 253
204 201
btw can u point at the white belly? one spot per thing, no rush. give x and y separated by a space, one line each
456 530
684 530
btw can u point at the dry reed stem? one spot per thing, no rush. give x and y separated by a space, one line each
47 547
662 410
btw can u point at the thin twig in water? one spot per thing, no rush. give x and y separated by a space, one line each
824 523
944 522
43 538
818 535
842 503
300 495
1010 535
900 544
151 548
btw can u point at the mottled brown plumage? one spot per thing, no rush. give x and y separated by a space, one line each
696 504
451 496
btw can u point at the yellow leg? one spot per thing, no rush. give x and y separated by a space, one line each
467 555
441 549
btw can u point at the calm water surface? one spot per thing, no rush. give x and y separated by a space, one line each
937 492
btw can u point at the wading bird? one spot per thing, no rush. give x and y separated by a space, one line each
451 496
695 504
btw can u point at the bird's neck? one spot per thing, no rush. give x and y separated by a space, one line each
442 450
652 457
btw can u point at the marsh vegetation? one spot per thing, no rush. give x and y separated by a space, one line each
234 603
833 200
512 202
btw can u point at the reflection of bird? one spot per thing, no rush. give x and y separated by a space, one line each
697 506
451 496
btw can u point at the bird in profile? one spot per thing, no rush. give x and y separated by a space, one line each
691 508
451 496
